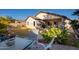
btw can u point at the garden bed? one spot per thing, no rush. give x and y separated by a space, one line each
43 41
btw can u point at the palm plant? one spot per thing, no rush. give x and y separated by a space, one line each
50 33
76 12
61 36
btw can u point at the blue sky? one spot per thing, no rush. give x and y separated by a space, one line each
22 14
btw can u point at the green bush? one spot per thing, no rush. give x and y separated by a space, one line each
61 35
2 26
47 38
64 37
76 44
64 41
3 31
48 34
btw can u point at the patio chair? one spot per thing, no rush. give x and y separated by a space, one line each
48 46
37 46
29 47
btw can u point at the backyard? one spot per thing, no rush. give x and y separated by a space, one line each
64 39
45 34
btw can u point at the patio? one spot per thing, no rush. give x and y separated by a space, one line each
20 44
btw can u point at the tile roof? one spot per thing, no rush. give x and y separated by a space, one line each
54 14
34 18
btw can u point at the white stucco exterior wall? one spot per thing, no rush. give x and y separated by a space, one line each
30 22
42 15
67 21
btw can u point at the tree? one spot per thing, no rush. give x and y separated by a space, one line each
76 12
4 22
75 24
11 18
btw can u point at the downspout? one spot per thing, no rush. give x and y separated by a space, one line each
62 25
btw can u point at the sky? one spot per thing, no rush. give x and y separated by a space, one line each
22 14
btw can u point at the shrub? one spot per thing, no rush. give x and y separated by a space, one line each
64 37
3 31
48 34
3 26
76 44
61 35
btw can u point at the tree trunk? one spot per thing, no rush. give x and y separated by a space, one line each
76 35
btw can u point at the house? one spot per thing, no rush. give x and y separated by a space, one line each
32 22
44 19
18 23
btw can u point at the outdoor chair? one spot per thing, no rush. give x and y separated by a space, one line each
37 45
40 46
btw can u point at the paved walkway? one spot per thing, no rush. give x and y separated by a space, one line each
63 47
54 47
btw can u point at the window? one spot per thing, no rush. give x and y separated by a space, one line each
27 23
34 23
55 23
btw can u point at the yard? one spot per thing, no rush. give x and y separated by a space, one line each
68 43
64 39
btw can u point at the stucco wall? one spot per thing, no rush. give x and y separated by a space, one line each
67 21
29 22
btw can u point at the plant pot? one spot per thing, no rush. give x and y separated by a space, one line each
43 41
10 42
